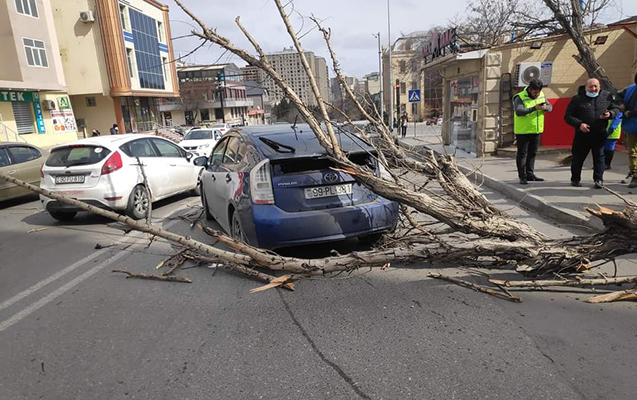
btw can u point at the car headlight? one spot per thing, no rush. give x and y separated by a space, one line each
203 146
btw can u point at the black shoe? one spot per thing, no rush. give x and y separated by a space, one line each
599 184
607 167
628 177
534 178
576 184
633 183
523 181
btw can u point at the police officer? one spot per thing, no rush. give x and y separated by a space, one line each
529 107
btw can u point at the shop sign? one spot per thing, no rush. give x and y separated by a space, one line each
439 44
64 103
63 121
16 97
39 117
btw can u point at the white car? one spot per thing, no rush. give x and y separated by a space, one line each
200 141
223 128
103 171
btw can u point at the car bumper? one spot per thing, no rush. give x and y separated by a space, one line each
277 228
94 196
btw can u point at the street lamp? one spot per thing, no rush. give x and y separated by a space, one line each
390 94
380 77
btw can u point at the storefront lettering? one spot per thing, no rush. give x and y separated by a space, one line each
438 44
13 96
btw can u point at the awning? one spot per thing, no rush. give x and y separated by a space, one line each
452 58
255 112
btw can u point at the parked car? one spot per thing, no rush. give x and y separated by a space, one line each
103 171
223 128
200 141
22 161
272 186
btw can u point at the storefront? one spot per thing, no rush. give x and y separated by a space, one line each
40 118
140 113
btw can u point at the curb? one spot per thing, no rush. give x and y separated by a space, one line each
527 200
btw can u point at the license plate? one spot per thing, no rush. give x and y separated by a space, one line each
328 191
62 179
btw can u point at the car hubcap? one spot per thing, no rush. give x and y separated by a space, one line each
141 201
236 229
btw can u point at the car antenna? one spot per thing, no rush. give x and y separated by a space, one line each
294 126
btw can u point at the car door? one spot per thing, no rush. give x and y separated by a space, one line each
155 167
228 179
209 181
182 173
6 188
25 165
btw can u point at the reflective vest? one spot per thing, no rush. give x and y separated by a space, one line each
532 123
614 129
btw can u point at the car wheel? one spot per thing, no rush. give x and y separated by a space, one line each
204 203
236 230
138 203
63 215
370 239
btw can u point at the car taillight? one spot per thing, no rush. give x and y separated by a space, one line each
113 163
261 183
41 172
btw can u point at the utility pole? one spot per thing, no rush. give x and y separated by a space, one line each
380 77
391 103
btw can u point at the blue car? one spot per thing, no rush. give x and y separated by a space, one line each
274 186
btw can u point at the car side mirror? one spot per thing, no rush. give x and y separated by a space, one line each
201 161
189 156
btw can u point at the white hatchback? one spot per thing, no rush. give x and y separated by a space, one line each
104 171
200 141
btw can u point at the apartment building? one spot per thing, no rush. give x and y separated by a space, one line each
209 93
252 73
288 64
118 60
34 105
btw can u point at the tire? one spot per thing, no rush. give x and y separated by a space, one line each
138 202
63 216
370 239
204 203
236 230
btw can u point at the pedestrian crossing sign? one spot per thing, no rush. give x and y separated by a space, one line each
414 96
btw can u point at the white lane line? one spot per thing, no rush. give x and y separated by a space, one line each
50 279
61 290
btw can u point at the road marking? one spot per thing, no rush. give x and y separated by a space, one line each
50 279
7 323
60 291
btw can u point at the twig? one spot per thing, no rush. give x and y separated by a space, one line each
477 288
164 278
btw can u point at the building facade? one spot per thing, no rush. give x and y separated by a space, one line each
34 104
478 86
259 112
120 57
288 64
209 94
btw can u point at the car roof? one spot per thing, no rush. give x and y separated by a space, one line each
18 144
301 138
105 141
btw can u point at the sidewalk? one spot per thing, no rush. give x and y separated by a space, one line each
553 198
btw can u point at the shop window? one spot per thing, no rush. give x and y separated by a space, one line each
91 102
36 53
26 7
23 115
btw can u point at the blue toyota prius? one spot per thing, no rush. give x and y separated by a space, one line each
274 186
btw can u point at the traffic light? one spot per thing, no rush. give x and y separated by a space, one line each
222 77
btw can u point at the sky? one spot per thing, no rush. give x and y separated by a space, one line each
353 24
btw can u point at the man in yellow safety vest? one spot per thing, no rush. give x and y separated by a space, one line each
529 107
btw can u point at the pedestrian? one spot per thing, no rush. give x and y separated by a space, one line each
588 112
403 124
628 97
95 133
529 107
114 129
613 133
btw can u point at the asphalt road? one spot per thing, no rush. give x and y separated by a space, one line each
71 329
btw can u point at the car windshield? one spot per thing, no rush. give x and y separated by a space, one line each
199 134
77 155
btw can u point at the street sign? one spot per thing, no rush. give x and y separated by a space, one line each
414 96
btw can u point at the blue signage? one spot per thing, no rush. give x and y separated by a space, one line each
414 96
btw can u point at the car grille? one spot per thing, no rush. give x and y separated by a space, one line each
190 147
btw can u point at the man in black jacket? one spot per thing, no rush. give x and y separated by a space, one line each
588 112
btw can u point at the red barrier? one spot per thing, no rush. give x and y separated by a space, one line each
557 133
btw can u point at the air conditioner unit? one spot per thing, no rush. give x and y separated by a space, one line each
87 16
526 71
48 104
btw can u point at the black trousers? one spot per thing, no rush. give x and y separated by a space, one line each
527 150
585 143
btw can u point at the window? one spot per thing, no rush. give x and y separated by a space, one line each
160 32
139 148
23 117
26 7
232 153
149 63
403 66
164 63
217 153
21 154
4 157
129 58
403 88
123 14
36 53
91 102
167 149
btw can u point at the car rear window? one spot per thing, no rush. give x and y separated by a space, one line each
199 134
77 155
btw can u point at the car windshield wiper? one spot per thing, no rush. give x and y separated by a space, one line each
75 164
277 146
